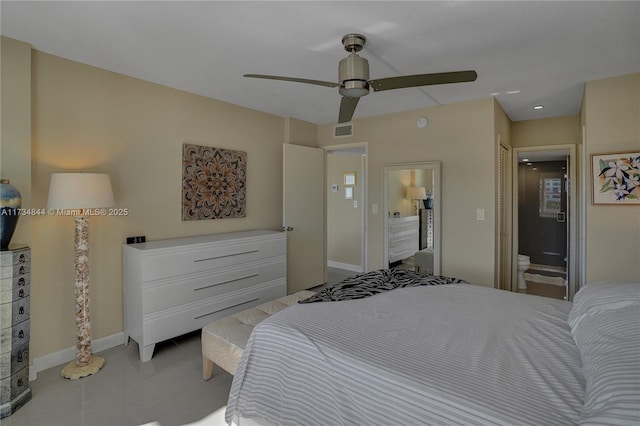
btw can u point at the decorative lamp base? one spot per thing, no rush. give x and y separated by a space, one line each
74 372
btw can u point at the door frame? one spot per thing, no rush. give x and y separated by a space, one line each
435 167
364 192
572 204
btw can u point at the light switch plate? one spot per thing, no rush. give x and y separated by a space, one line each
479 214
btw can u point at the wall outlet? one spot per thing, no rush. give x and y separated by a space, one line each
136 240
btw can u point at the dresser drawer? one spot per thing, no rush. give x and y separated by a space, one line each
10 271
176 291
206 257
12 386
17 335
15 359
15 256
14 312
14 288
184 319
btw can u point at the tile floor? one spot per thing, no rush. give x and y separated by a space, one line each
168 390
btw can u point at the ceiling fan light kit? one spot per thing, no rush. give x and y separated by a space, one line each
354 82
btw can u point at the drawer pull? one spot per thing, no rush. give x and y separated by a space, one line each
226 282
225 255
228 307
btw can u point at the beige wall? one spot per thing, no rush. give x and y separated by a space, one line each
89 119
399 180
300 132
612 118
344 232
546 131
459 135
15 126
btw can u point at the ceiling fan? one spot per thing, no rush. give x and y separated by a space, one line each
353 73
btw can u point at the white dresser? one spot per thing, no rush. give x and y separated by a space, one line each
175 286
403 237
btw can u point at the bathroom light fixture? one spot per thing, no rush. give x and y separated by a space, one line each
538 106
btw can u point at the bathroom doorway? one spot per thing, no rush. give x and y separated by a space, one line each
544 221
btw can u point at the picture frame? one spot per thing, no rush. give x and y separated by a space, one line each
348 193
350 178
615 178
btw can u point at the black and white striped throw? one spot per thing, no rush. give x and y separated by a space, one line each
369 283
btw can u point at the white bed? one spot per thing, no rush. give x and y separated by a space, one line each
446 354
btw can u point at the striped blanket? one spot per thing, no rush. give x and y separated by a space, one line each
453 354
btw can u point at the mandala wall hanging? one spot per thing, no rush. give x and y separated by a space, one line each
214 183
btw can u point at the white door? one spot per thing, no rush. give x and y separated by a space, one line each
303 216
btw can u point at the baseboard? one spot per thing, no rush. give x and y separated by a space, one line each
65 355
347 266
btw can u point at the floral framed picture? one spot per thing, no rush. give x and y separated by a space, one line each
616 178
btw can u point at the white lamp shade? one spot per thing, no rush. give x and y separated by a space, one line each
80 191
416 193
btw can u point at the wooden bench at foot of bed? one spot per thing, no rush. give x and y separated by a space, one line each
224 340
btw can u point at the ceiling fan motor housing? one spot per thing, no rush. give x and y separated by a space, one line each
353 74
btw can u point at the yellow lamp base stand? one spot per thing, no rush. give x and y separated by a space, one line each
74 372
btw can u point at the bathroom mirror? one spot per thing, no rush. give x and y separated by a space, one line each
412 216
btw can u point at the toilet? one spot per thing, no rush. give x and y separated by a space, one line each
523 265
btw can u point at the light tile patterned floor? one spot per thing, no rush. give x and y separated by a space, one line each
168 390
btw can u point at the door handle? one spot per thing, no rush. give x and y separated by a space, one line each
560 217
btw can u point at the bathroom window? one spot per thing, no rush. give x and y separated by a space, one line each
550 195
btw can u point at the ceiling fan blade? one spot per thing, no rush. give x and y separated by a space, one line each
422 80
294 79
347 108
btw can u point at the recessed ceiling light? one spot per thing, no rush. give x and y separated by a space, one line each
524 160
529 164
512 92
494 94
538 106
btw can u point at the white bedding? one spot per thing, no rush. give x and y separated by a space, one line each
451 354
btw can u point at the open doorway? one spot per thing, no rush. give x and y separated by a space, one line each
544 221
346 189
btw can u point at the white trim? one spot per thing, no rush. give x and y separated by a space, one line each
347 266
63 356
582 211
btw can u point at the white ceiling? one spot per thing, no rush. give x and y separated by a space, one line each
544 50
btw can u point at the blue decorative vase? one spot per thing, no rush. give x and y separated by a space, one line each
10 203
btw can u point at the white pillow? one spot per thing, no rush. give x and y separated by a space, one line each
603 296
609 345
